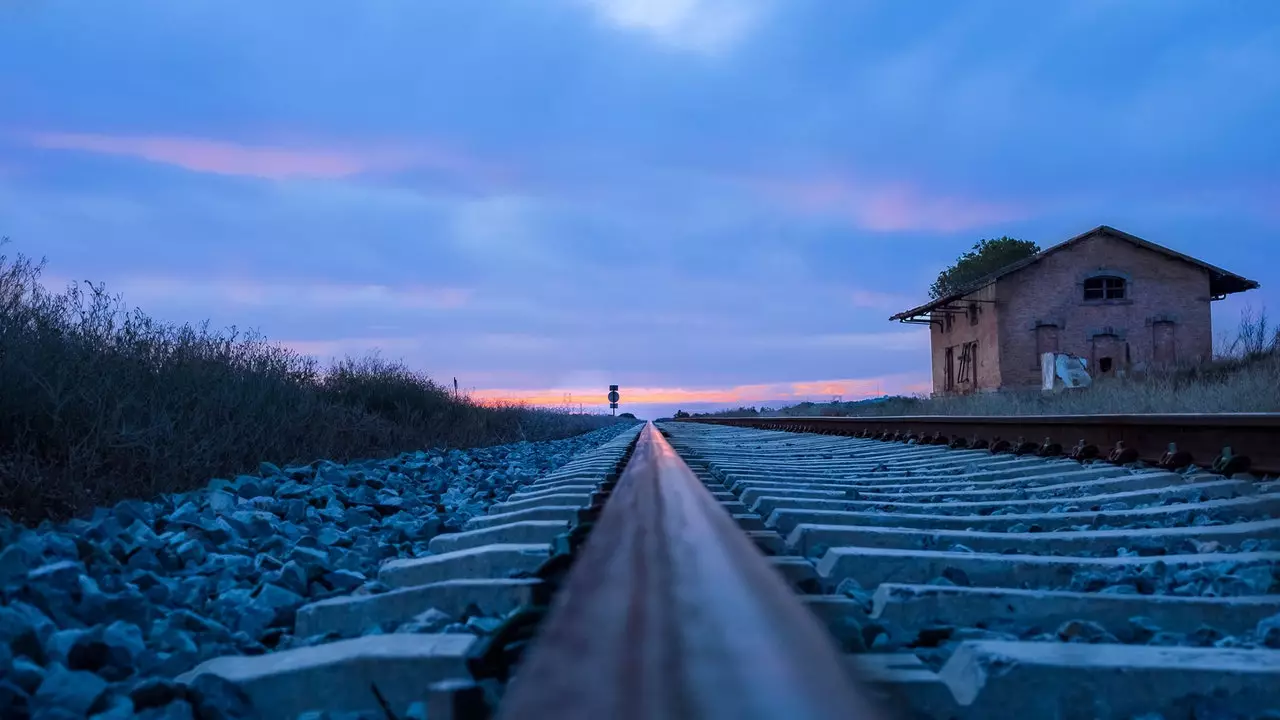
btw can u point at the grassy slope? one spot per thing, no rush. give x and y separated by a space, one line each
97 404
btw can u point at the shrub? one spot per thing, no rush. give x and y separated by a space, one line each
98 404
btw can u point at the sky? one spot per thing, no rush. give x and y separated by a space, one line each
707 202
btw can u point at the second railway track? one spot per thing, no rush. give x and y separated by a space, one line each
715 572
993 585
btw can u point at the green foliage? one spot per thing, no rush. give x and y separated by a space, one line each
986 257
98 404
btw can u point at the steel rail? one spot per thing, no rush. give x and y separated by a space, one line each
670 612
1199 438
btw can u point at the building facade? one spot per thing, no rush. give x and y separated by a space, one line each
1124 304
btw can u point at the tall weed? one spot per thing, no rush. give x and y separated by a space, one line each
99 403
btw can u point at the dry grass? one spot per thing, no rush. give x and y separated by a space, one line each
1244 378
98 404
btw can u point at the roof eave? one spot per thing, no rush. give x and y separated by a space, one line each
927 307
935 304
909 314
1231 284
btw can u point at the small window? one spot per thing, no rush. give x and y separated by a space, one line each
973 313
1104 288
1104 365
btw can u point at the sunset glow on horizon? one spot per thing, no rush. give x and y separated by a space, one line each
770 394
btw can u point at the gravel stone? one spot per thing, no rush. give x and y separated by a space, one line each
1084 631
15 563
215 698
76 691
116 706
13 699
483 625
430 621
154 693
1269 632
99 613
26 674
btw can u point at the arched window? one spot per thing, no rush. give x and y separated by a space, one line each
1104 287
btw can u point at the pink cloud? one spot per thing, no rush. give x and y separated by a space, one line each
276 163
886 207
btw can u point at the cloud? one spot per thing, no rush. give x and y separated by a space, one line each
705 26
353 347
211 156
318 296
505 225
883 341
886 206
275 163
513 342
876 300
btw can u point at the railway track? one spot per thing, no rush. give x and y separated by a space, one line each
713 571
1226 442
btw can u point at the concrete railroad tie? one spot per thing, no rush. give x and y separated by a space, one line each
1016 532
464 569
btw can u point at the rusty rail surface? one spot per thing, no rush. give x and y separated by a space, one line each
1254 438
671 612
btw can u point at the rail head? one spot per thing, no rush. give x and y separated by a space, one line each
671 612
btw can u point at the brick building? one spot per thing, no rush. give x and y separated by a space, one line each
1123 303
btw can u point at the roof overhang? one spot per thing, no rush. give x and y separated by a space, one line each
933 312
1223 283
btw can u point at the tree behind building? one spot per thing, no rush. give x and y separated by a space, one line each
986 257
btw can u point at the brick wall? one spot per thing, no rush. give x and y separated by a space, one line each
1165 314
985 375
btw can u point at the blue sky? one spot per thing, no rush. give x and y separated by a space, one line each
707 202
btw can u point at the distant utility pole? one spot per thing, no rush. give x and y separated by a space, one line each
455 388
